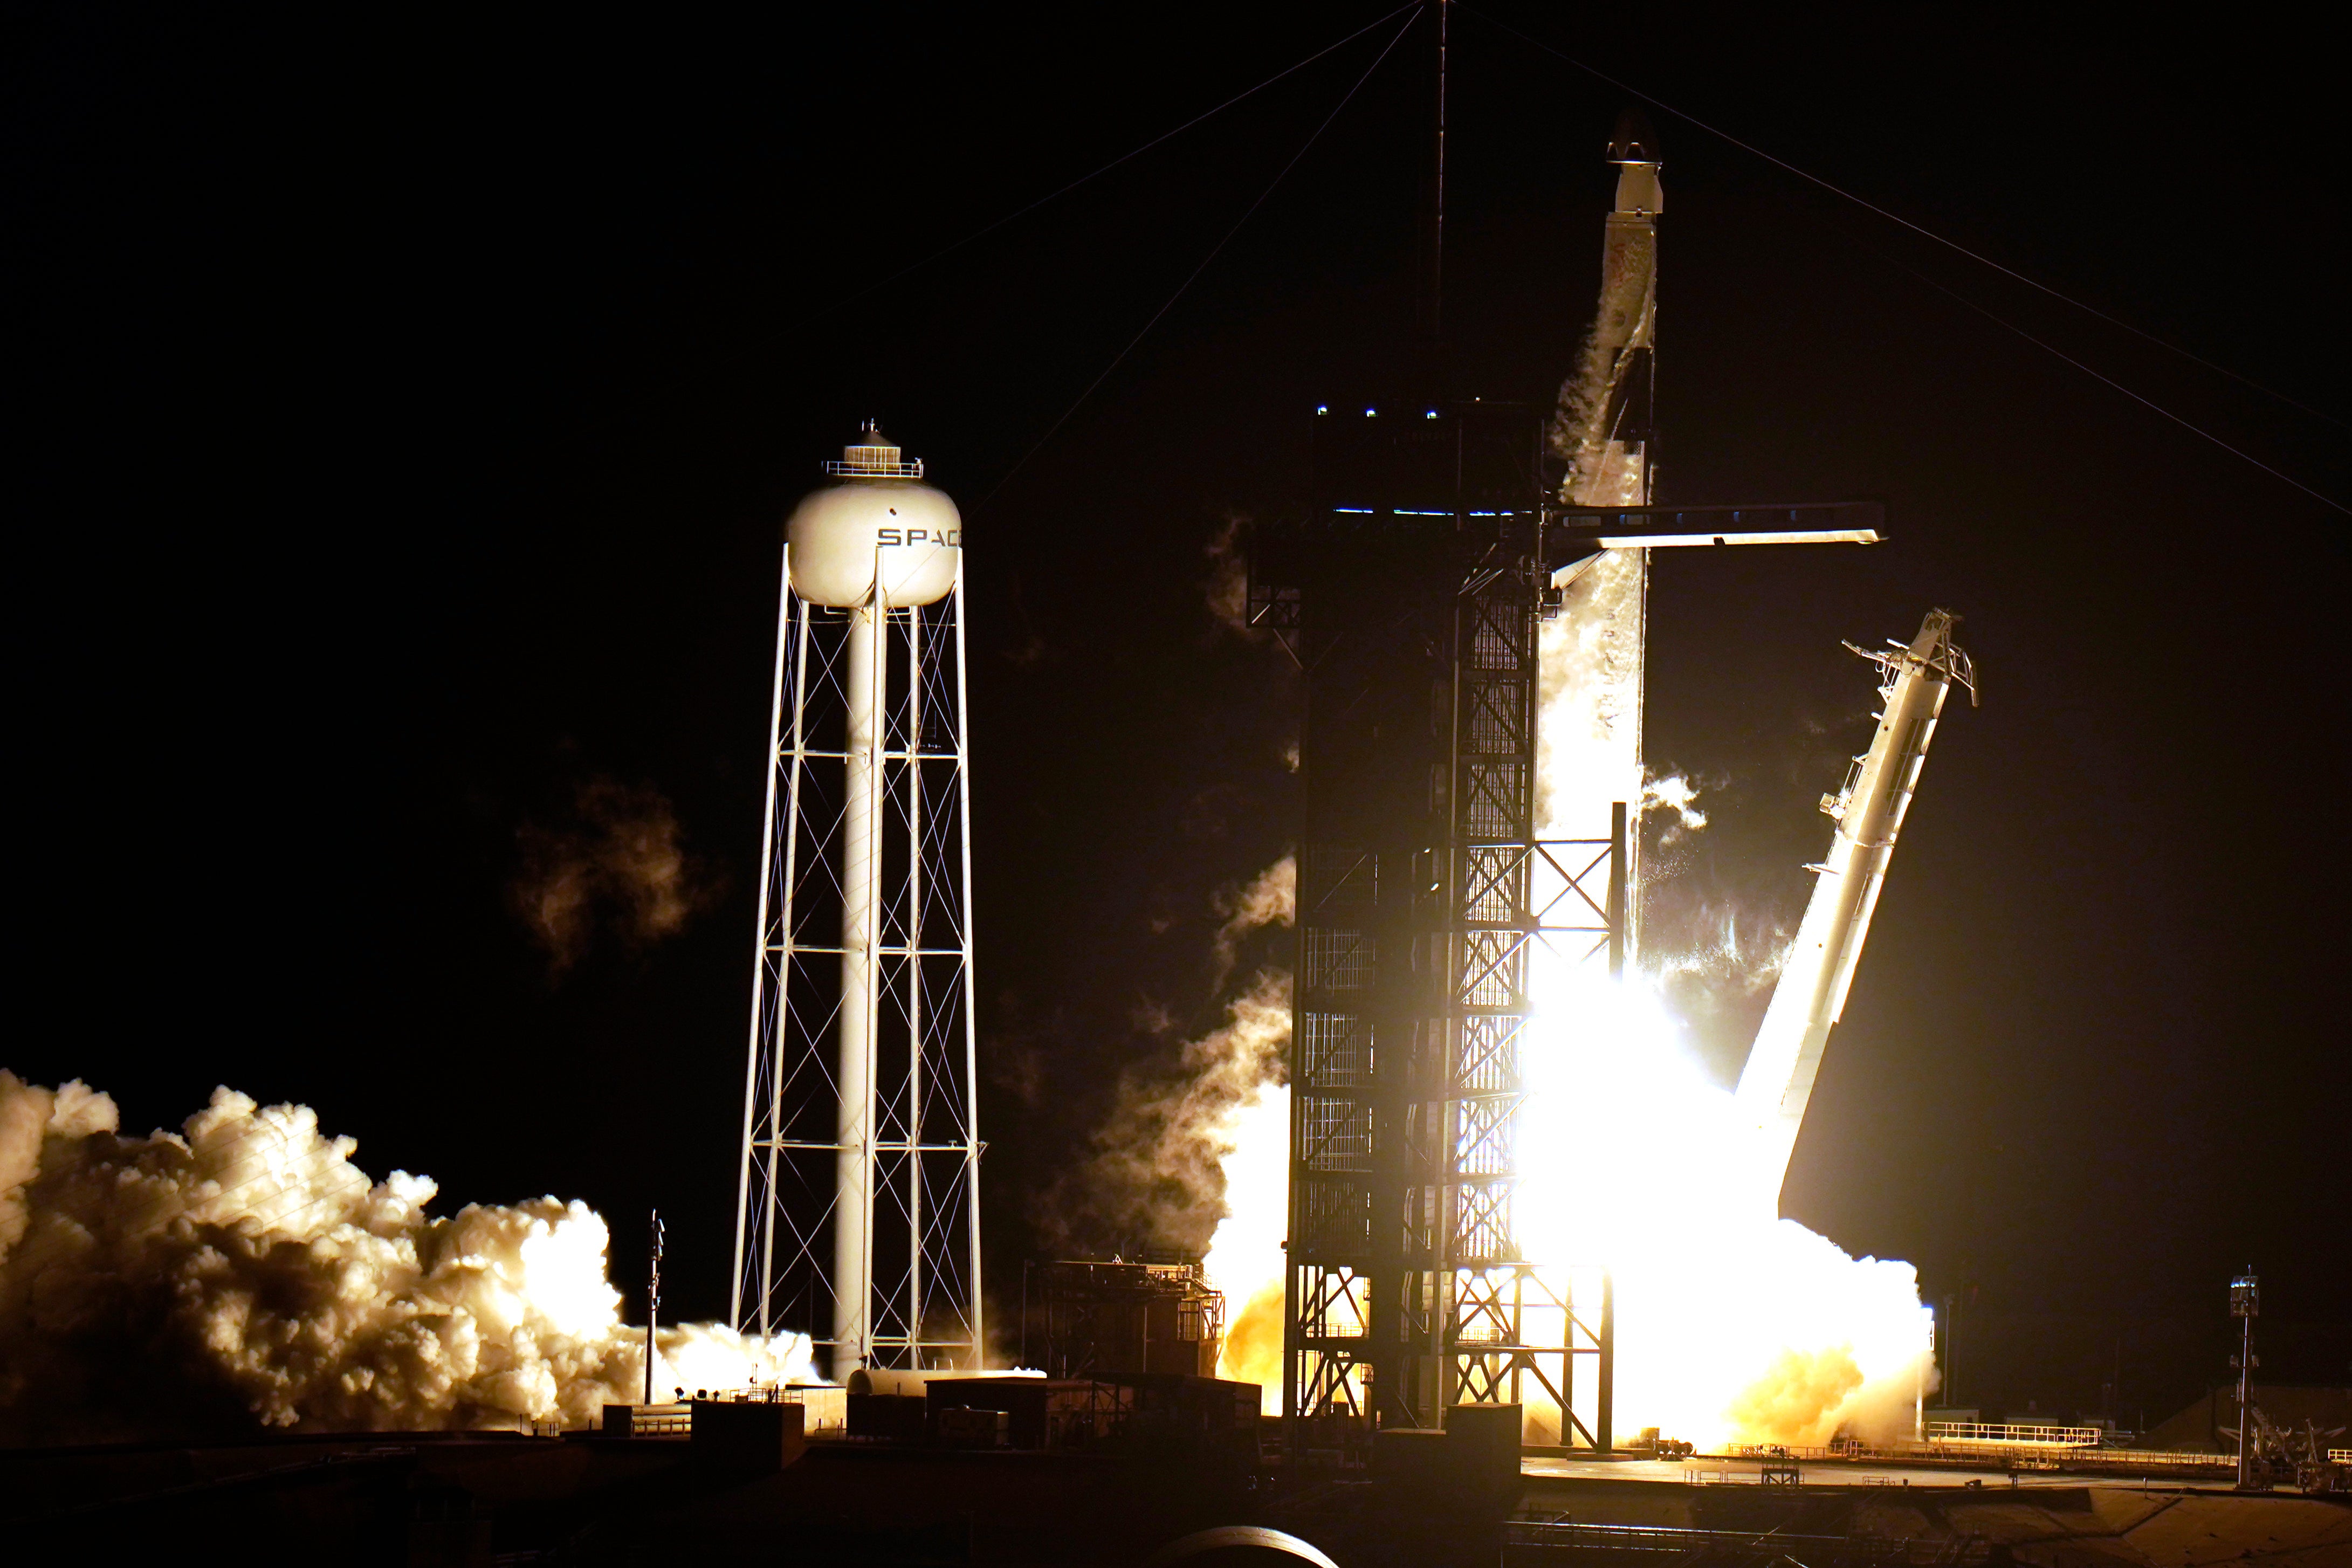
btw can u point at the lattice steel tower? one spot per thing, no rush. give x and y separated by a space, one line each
858 1217
1411 593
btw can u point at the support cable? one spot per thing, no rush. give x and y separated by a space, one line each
2135 397
1916 228
982 233
1214 251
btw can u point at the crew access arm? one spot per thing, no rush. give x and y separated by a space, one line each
1778 1080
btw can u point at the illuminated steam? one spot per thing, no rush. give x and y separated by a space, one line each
1163 1169
1228 585
1270 898
1676 793
1589 700
244 1270
615 863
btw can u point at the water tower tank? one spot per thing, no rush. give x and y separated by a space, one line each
879 522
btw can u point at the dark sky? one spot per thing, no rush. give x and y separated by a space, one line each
415 399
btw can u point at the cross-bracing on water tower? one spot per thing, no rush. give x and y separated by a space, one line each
858 1205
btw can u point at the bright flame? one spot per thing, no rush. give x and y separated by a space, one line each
1733 1325
1245 1256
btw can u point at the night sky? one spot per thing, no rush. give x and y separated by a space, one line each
414 399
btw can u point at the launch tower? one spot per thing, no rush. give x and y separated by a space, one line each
858 1205
1445 873
1412 593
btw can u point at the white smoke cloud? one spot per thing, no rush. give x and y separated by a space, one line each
1676 793
245 1270
616 862
1734 1325
1269 898
1158 1172
1228 585
1588 697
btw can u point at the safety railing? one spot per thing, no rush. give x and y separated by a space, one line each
1940 1432
1621 1543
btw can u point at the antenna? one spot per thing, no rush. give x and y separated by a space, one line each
1437 227
653 1302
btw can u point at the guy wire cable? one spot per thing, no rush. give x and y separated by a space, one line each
1120 357
984 231
1916 228
2128 391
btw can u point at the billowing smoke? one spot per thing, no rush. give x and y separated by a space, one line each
1157 1176
1675 793
1589 696
1269 898
243 1272
1194 1157
1228 585
1733 1325
614 864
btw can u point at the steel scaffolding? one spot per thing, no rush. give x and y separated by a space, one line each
1410 597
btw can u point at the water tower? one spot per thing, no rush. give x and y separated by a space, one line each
858 1208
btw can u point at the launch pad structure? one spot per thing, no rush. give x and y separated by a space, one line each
1088 1318
1412 593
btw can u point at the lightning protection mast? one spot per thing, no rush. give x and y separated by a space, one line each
858 1217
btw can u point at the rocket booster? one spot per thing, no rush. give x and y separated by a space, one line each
1604 428
1589 735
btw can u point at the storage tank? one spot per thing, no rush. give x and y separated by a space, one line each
879 522
876 1258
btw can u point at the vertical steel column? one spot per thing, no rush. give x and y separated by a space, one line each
854 1154
1618 853
971 1152
778 1016
1604 1434
913 775
759 951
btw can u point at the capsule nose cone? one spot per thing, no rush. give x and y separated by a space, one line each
1633 141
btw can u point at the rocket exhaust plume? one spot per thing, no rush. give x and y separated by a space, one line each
243 1272
1733 1325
